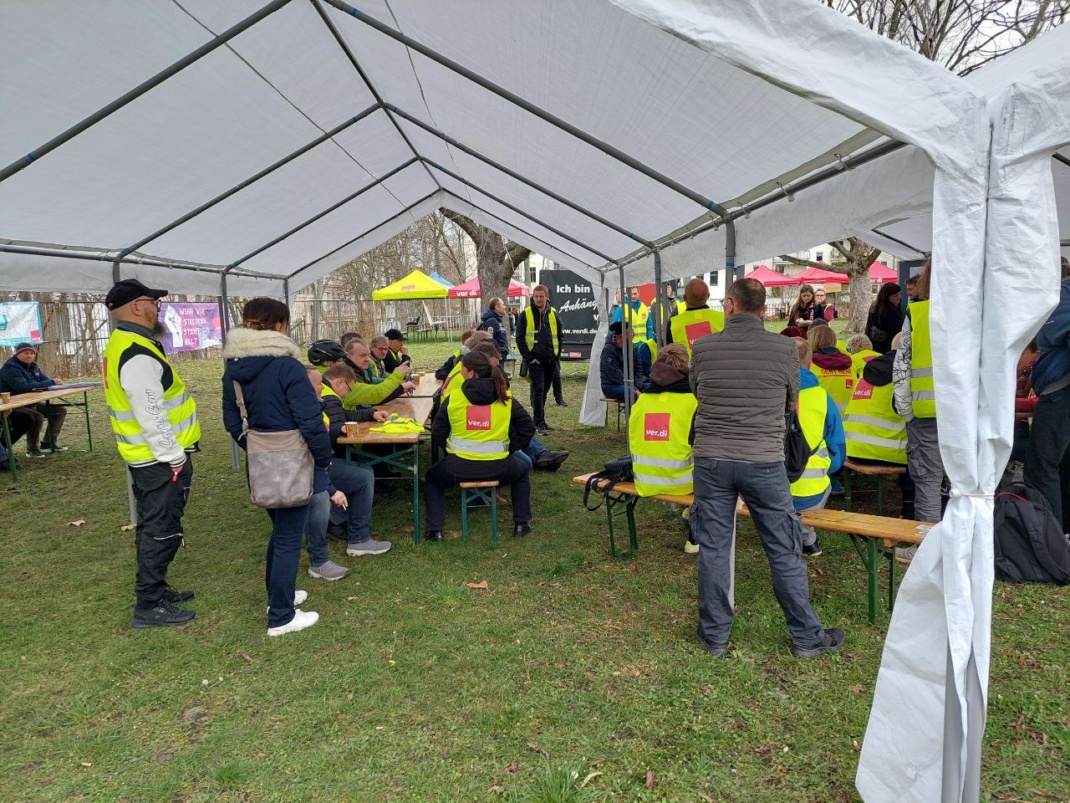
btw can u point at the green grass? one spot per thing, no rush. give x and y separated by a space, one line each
415 688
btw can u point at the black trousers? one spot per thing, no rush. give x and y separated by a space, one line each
512 471
161 501
1047 463
542 377
558 396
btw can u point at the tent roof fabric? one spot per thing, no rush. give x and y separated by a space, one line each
771 278
814 275
415 286
307 133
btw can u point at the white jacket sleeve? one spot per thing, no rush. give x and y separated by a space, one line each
141 378
901 375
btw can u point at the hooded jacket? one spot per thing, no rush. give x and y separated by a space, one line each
278 395
611 365
492 322
1052 368
835 439
665 378
17 377
878 371
832 358
481 391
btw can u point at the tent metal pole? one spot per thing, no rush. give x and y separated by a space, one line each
626 347
368 82
519 211
733 271
781 193
324 213
140 89
659 296
903 243
253 179
137 259
379 225
116 270
513 225
522 179
1060 158
224 321
527 106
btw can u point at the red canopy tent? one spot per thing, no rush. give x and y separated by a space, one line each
882 274
820 275
770 278
470 289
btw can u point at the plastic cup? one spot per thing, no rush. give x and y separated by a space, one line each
5 397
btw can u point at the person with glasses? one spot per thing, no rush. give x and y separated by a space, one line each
378 349
156 430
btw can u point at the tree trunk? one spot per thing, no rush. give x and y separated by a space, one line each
860 293
855 259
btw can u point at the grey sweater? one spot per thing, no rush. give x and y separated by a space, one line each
746 379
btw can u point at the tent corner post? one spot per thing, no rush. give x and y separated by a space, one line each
626 346
734 271
116 270
659 296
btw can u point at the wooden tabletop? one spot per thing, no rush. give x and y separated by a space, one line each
428 386
26 399
415 407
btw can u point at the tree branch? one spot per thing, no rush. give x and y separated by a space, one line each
796 261
470 227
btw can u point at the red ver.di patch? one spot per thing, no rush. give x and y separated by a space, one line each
656 427
478 417
696 330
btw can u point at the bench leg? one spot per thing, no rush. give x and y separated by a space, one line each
494 515
464 514
891 580
870 558
614 505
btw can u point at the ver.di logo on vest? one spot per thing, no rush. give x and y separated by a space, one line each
864 390
656 427
696 330
478 417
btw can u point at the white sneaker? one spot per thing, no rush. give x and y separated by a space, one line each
301 620
689 548
905 554
299 597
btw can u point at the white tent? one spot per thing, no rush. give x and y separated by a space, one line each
241 148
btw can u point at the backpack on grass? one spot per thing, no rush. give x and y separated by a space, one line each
1029 543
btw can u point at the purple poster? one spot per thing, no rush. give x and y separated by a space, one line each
190 326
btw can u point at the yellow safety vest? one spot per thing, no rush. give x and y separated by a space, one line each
658 431
812 410
841 346
478 431
922 389
650 344
180 407
636 319
859 360
549 318
874 430
691 324
448 383
839 383
375 373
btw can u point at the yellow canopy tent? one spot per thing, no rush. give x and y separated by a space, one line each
415 286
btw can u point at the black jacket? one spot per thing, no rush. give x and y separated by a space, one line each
16 377
337 415
492 322
544 345
882 326
481 391
611 365
878 371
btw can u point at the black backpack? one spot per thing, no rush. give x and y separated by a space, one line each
796 450
617 470
1029 543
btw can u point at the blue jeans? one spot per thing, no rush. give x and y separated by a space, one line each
358 484
765 489
535 448
283 556
319 514
616 392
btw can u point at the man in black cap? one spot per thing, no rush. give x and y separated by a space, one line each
21 374
611 364
396 352
156 430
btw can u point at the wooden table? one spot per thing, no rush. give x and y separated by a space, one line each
428 387
403 445
38 397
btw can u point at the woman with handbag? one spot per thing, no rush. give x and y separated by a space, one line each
885 319
266 385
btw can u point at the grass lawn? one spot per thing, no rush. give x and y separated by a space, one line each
570 667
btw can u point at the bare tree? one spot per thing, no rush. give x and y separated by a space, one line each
962 35
496 258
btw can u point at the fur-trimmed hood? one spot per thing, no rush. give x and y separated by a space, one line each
242 342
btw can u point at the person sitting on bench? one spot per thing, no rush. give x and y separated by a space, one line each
822 427
611 364
21 374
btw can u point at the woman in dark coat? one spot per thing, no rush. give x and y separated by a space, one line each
885 319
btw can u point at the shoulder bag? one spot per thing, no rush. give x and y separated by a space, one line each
279 463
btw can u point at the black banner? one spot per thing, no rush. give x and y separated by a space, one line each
576 308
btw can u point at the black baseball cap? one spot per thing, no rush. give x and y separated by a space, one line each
616 327
393 334
127 290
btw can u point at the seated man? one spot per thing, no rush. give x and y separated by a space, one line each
396 353
822 426
611 364
444 370
661 430
21 374
378 348
325 353
353 523
365 393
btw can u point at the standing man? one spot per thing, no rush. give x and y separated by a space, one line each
156 430
538 339
663 310
21 374
746 380
697 320
637 316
